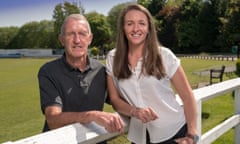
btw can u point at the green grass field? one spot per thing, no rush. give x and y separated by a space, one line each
20 113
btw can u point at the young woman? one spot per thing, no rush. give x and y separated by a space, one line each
141 74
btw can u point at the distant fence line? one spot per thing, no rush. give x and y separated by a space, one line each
210 57
18 53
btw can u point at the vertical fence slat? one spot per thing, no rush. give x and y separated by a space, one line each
237 111
199 118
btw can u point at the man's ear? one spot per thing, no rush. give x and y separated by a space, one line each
60 38
90 39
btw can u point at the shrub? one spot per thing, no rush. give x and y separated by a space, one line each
94 51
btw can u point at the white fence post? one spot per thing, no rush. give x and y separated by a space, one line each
237 111
199 117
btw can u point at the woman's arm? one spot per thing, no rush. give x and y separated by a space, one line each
117 102
183 88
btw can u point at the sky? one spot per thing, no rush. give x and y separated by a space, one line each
20 12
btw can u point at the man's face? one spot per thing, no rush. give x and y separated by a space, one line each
76 38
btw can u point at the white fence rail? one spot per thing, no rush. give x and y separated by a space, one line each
92 133
212 91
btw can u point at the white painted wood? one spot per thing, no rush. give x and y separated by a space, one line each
199 118
237 111
216 132
93 133
211 91
71 134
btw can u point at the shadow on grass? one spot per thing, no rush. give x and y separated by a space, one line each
205 115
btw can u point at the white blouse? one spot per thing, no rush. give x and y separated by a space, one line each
147 91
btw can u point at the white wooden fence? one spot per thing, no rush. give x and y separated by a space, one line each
92 133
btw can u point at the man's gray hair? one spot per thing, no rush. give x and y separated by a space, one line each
76 17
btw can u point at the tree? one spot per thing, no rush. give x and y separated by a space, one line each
33 35
187 36
26 36
154 6
45 34
7 34
113 18
232 25
58 17
100 29
209 24
60 12
165 15
166 20
187 27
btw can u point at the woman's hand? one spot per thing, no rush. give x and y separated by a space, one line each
111 121
184 140
144 114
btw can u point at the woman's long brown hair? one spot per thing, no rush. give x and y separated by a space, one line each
152 59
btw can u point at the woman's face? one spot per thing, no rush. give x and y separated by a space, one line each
136 27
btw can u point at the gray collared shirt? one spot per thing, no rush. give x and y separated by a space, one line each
72 90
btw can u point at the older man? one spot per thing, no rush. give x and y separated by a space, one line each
73 87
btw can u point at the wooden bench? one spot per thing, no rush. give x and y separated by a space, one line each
216 74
